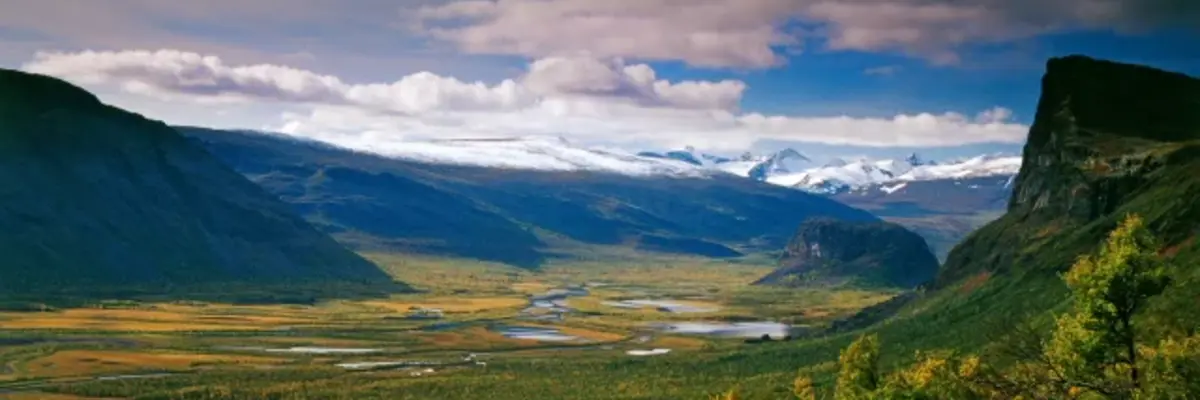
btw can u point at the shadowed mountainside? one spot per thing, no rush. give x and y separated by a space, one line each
96 198
873 253
514 216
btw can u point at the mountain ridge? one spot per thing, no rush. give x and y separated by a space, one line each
1109 139
98 198
529 215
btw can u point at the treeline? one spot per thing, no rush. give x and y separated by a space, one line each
1100 349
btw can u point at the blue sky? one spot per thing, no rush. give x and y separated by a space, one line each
833 78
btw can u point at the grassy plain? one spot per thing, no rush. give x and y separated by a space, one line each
195 349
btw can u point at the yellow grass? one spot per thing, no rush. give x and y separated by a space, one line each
678 343
532 287
586 333
158 318
98 362
450 304
475 337
46 396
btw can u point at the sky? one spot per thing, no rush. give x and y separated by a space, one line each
846 78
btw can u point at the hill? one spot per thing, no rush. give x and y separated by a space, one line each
1109 139
537 199
96 199
873 253
943 211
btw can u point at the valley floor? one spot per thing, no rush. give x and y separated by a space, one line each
650 328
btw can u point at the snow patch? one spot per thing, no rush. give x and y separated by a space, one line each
894 188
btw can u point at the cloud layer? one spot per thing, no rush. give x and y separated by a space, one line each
755 33
585 99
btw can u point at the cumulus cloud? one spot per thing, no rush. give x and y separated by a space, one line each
172 73
591 100
753 33
715 33
563 76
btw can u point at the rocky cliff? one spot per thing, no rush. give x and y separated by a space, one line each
874 253
1108 139
96 199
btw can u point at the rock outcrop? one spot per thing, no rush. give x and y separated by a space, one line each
1108 139
828 251
96 199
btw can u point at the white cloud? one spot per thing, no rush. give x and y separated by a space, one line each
172 73
586 100
563 76
715 33
752 33
994 115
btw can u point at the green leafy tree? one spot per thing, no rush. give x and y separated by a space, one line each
858 378
1173 369
935 376
803 388
1096 346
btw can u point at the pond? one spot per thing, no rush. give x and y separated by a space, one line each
724 329
365 365
652 352
554 300
323 350
535 333
661 305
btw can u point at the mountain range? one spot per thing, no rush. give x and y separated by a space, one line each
792 168
942 201
519 201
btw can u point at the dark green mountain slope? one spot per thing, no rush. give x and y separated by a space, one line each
93 198
520 217
1108 139
874 253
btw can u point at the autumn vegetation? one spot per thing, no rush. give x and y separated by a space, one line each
1098 349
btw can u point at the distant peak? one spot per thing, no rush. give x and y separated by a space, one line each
23 90
835 163
791 153
914 160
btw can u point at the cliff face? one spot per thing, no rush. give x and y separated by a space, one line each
1095 127
93 198
875 253
1108 139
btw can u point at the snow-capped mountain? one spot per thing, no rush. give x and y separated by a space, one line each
787 167
688 155
840 175
545 154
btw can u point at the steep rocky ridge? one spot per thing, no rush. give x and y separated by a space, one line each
1108 139
874 253
93 198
